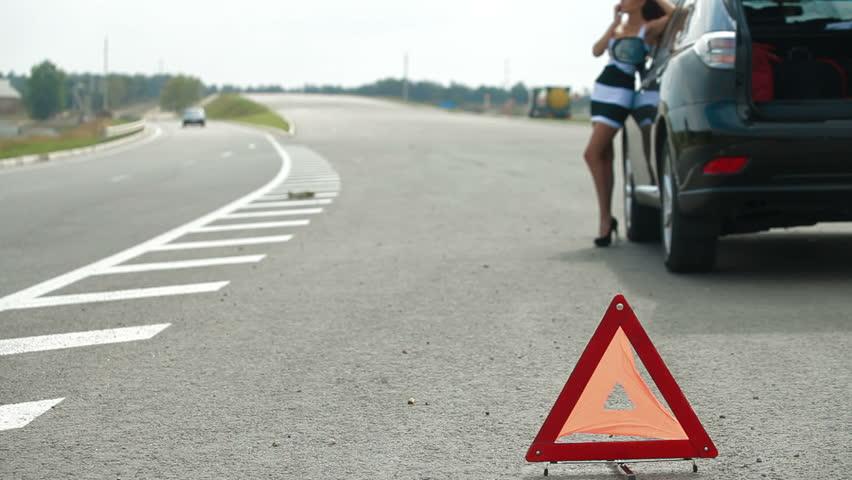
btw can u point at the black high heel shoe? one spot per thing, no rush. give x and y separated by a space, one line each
607 240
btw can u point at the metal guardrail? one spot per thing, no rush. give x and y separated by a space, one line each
124 129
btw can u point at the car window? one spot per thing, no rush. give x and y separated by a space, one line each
673 29
691 13
773 12
703 16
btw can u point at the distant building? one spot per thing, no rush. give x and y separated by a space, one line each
10 99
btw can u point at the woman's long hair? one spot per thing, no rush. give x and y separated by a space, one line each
652 10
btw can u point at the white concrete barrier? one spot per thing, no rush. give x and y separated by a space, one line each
124 129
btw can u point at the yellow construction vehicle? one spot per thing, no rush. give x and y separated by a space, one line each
550 102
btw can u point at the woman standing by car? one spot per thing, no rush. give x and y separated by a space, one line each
613 98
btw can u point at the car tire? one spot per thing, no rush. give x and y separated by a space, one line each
641 221
689 244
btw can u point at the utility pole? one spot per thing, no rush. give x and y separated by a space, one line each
507 74
405 78
106 74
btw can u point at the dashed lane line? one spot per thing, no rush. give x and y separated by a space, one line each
181 264
274 213
252 226
19 415
115 295
233 242
62 341
288 203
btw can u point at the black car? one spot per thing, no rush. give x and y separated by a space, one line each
753 128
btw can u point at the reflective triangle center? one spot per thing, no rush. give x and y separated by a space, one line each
646 417
618 399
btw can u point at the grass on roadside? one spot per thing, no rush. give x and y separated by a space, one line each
240 109
83 135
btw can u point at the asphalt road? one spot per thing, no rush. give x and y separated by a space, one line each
455 267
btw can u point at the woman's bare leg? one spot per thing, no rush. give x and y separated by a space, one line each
599 156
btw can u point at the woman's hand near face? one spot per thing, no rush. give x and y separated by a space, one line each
603 43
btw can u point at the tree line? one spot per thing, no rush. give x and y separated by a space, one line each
48 90
430 92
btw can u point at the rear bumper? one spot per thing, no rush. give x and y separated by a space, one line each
797 173
752 209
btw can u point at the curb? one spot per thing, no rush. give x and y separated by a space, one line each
46 157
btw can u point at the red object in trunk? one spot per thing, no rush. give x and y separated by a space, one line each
762 74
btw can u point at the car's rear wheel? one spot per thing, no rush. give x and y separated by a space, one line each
642 222
689 244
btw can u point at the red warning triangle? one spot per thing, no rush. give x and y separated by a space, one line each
606 363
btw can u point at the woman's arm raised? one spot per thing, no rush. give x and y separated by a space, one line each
656 27
601 45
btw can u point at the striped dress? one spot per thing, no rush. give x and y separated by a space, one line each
614 96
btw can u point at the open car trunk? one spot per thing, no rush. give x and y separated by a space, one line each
799 59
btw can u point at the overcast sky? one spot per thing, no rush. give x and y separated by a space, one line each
321 41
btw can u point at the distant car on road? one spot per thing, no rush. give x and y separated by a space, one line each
753 129
194 116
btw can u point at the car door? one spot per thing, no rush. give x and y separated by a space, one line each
637 145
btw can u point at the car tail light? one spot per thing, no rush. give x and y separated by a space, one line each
725 165
717 49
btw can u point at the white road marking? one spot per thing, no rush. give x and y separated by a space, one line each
285 204
119 178
227 154
315 178
274 213
181 264
310 182
234 242
26 296
19 415
272 197
252 226
309 187
61 341
111 296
